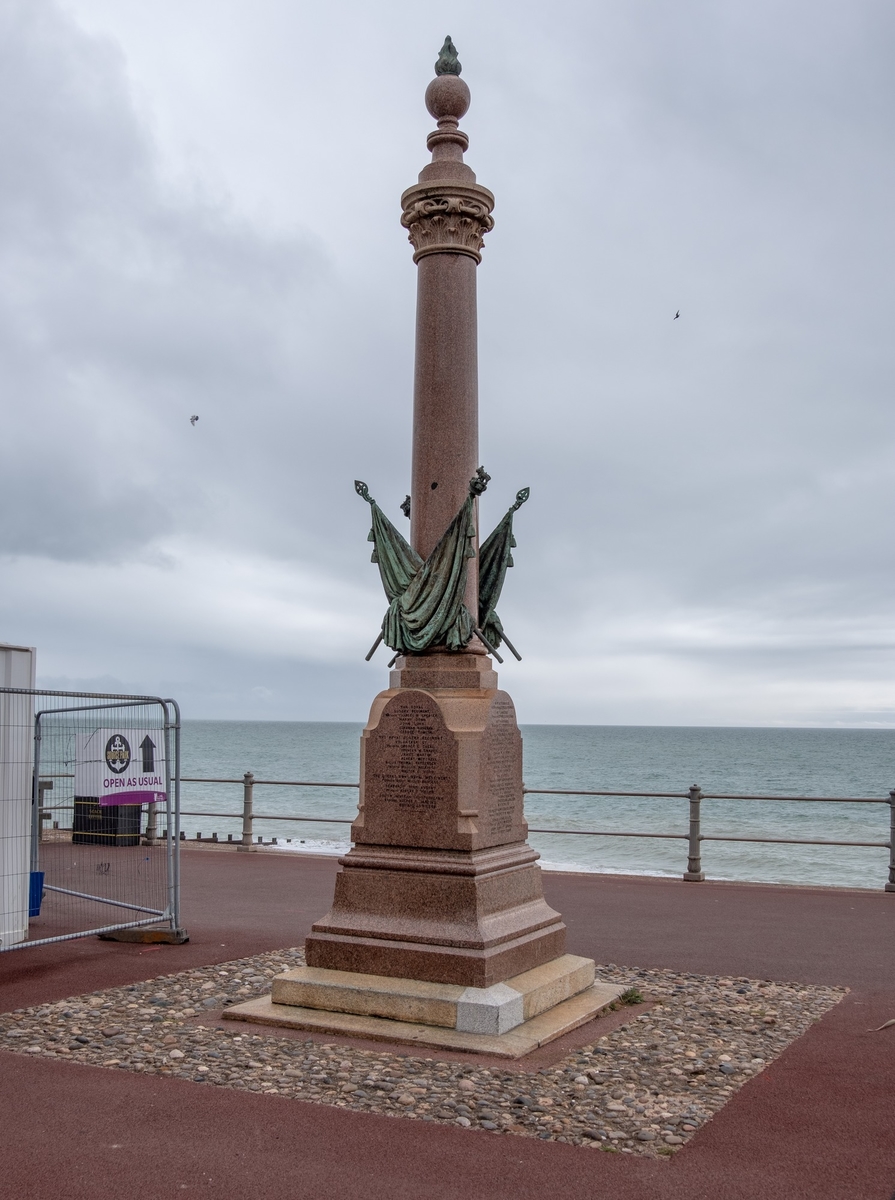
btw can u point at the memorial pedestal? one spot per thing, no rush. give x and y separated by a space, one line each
441 884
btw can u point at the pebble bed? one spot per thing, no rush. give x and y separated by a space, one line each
646 1087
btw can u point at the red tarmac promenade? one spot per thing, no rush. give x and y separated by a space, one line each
818 1123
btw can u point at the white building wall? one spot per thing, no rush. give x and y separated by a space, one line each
17 669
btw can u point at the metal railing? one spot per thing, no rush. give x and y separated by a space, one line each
694 836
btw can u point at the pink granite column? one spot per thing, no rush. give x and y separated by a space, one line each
447 215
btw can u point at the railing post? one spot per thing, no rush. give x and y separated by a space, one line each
248 785
694 872
44 786
151 835
890 886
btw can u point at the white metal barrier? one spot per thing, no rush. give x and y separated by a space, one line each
84 781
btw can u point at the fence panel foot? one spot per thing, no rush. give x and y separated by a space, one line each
169 937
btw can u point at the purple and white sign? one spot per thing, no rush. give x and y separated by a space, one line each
121 766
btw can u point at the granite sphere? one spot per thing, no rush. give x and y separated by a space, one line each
447 96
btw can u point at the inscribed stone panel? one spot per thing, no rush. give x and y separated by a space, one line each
501 818
410 775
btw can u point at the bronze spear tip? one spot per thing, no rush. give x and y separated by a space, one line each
479 482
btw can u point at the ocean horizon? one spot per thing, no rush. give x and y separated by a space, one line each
725 759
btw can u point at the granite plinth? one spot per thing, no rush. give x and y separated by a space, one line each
485 1021
440 671
440 885
473 919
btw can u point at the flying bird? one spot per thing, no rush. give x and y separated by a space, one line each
194 419
676 315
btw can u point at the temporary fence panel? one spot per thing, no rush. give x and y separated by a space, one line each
16 745
101 777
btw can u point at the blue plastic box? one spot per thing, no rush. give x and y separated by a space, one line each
35 893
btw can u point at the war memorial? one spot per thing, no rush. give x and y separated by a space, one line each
439 932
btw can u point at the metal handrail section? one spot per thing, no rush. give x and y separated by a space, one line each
159 912
100 930
273 782
706 837
271 817
694 836
564 792
705 796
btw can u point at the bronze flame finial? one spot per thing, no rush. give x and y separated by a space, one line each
448 63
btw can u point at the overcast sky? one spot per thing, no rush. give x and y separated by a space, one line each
199 214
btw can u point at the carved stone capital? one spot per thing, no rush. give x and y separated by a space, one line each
444 217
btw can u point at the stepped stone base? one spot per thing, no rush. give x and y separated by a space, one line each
507 1020
448 916
495 1009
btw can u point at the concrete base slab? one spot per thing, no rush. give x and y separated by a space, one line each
538 1031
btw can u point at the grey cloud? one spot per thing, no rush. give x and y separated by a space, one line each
730 470
234 686
123 308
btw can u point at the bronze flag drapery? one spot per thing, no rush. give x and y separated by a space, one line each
397 560
495 556
425 598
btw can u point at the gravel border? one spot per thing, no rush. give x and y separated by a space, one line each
645 1087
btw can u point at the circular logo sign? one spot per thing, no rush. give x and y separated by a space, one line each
118 753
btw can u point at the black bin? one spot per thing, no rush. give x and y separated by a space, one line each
97 825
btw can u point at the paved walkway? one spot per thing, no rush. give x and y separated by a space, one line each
818 1123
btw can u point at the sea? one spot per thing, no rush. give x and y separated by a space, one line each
779 762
